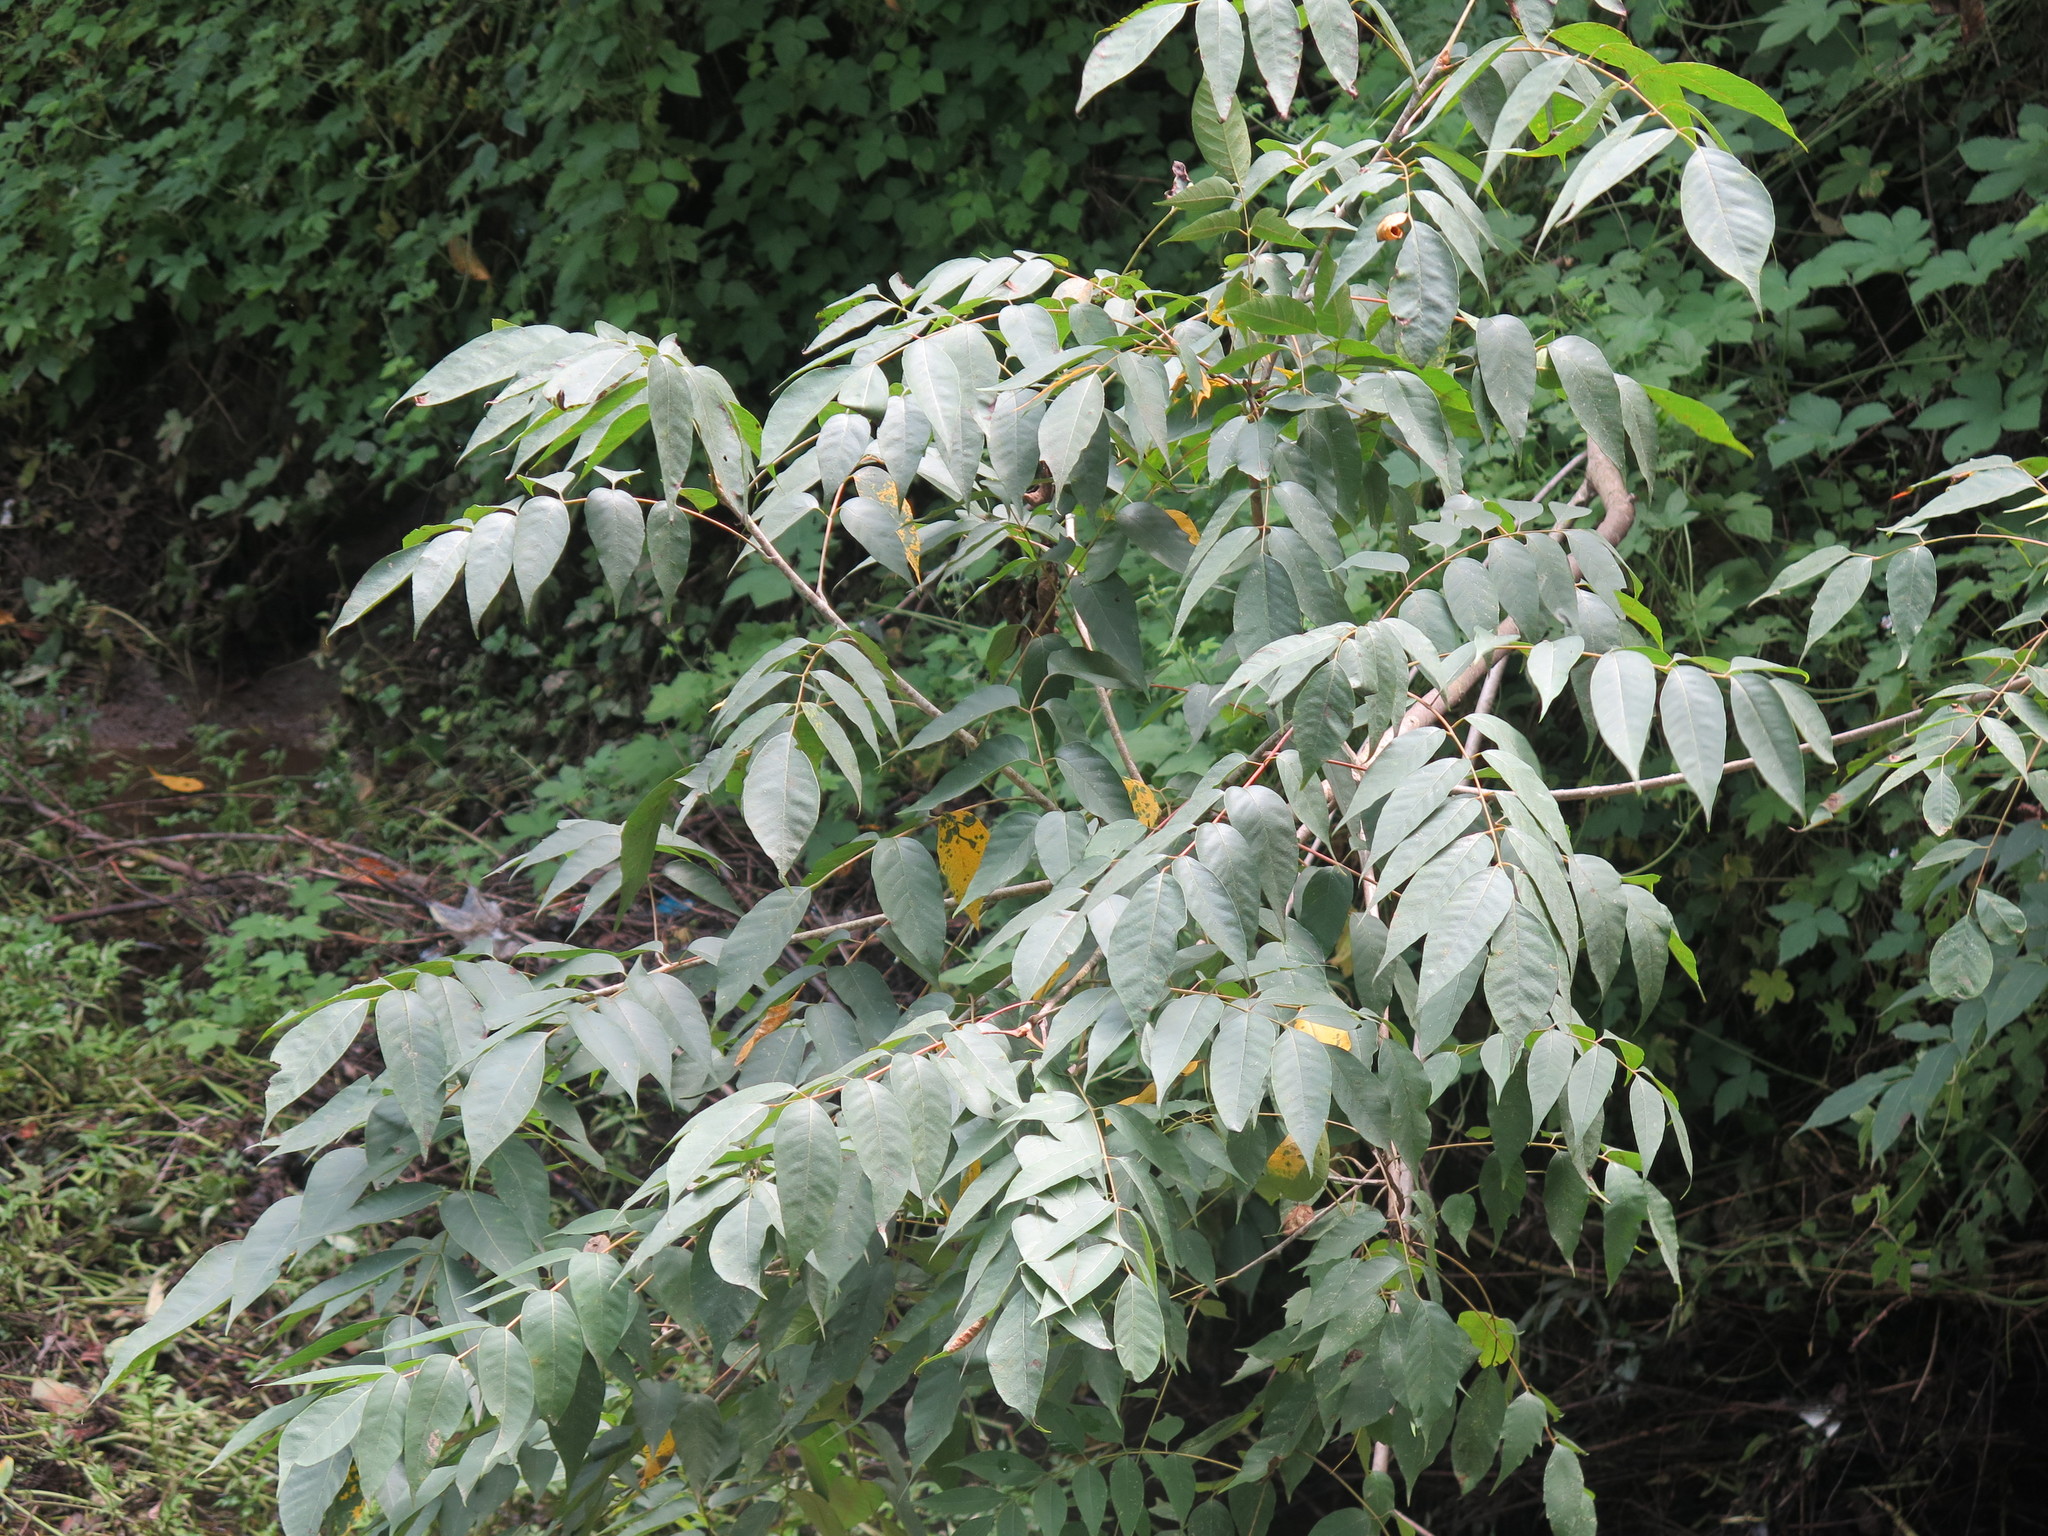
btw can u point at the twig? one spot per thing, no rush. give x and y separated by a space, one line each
1666 780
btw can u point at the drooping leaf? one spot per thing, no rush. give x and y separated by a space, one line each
1624 694
1728 214
1695 729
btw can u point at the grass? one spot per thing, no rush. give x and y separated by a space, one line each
123 1156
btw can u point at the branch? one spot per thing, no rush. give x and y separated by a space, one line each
1620 509
1668 780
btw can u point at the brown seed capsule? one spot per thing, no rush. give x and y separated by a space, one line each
965 1336
1393 226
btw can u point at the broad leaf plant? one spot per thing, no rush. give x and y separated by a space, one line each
956 1174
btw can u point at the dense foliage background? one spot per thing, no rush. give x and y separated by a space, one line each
231 234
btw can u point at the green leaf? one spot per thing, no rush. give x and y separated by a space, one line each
539 535
1017 1347
1566 1503
1960 966
1624 696
380 1438
1507 365
502 1090
1461 930
780 798
1219 38
1646 1117
439 1406
1069 426
505 1378
1300 1073
378 583
1766 729
1335 30
1909 584
1842 590
1521 1432
756 942
1140 1329
415 1060
1143 943
487 564
1124 47
553 1339
1215 911
1728 214
619 531
1696 729
1697 417
913 897
1592 394
1238 1065
1177 1037
878 1128
807 1174
976 706
1531 94
1276 47
603 1299
1731 91
1422 295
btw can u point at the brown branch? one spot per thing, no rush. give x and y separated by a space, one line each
1740 764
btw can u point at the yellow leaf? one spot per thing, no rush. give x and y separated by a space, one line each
656 1458
1328 1034
463 257
962 842
1146 802
770 1022
1185 523
1287 1161
178 782
1149 1094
